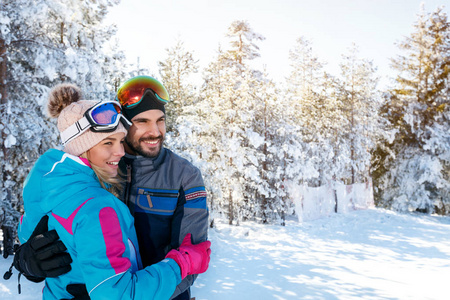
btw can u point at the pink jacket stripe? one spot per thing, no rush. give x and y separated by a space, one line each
67 223
112 234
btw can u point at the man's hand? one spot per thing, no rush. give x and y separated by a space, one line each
43 255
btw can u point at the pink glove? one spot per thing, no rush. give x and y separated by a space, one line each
192 259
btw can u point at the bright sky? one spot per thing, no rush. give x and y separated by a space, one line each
146 28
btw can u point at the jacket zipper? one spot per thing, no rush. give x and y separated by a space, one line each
167 195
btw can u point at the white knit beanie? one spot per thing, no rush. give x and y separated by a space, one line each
65 104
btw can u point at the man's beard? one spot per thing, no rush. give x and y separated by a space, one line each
137 148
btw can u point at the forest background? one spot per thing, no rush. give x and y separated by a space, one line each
251 136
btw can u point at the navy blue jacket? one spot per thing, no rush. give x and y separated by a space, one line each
167 198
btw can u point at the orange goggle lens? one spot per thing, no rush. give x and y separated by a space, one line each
134 89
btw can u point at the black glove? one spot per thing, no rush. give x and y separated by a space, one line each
8 241
43 255
78 291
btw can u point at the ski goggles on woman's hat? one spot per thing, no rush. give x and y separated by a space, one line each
133 91
102 117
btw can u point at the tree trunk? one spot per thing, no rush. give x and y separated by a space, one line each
352 132
62 33
264 169
3 60
3 101
230 207
230 203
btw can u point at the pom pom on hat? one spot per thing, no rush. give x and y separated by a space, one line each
64 103
61 96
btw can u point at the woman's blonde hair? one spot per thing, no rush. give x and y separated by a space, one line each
111 184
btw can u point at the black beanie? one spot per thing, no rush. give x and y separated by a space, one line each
149 102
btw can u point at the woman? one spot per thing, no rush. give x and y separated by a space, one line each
75 188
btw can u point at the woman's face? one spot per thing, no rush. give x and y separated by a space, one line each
106 154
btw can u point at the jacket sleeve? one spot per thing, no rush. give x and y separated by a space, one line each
104 251
191 216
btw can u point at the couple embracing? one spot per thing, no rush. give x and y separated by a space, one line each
115 215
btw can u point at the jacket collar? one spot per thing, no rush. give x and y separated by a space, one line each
148 163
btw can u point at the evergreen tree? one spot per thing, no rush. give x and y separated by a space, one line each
273 143
41 45
175 73
307 111
361 104
235 104
335 120
413 173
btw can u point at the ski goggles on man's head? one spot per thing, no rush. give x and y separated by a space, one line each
133 91
102 117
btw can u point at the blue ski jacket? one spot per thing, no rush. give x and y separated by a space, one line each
97 229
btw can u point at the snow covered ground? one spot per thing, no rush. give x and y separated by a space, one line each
366 254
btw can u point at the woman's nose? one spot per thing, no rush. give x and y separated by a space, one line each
119 151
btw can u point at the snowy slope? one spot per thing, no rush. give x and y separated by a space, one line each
370 254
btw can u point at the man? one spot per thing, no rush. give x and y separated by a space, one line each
165 193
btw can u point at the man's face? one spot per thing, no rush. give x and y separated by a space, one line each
146 135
